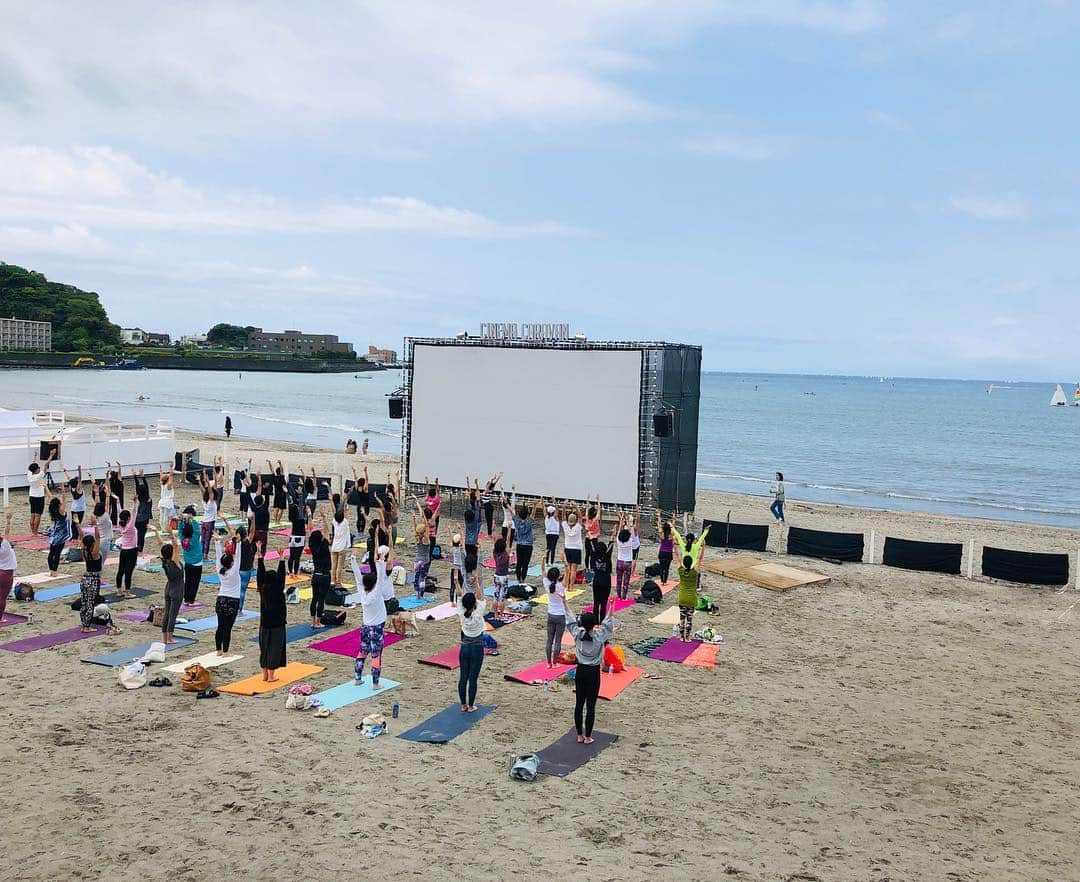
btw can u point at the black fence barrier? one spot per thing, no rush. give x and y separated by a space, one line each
1027 567
825 545
746 537
927 557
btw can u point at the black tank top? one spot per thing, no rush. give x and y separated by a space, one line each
94 566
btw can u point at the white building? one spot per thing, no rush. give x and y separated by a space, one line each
26 335
193 340
136 336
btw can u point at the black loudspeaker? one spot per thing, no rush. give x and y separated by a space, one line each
178 462
47 447
662 425
397 408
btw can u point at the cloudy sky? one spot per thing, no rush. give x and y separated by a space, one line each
798 185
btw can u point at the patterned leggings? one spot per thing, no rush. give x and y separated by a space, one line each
686 621
623 568
89 590
420 572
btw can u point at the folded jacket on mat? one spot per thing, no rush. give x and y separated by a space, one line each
255 685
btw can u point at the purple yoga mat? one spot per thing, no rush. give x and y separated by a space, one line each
349 643
674 650
12 619
44 641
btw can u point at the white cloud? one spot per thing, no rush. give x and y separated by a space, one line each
992 208
750 148
101 188
70 239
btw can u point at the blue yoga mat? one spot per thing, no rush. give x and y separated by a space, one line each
348 693
130 653
43 594
447 724
210 622
299 631
413 602
211 579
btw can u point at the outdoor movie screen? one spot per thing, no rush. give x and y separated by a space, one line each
555 422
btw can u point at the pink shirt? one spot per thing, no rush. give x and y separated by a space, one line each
592 528
128 537
433 504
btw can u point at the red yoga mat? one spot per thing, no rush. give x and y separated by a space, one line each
539 671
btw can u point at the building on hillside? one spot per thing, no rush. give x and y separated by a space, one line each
381 356
295 342
25 335
153 338
193 340
133 336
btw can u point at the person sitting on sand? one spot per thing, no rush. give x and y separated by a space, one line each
373 611
589 639
272 616
471 654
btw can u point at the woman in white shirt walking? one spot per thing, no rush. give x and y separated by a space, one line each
471 655
777 507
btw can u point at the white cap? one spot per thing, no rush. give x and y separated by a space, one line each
551 509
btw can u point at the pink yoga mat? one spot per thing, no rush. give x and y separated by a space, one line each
35 545
12 619
614 605
44 641
349 643
674 650
490 562
25 537
448 658
539 671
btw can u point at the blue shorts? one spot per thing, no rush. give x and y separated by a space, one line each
573 556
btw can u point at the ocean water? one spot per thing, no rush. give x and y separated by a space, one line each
905 444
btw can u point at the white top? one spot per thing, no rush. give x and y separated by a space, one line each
385 585
573 535
373 602
508 515
37 483
473 626
635 540
7 555
230 579
342 536
625 550
556 598
210 513
167 497
104 527
551 525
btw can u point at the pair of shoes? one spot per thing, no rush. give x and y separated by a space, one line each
160 681
323 712
207 693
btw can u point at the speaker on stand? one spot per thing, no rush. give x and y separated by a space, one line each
397 408
663 424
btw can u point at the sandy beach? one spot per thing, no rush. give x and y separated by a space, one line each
889 725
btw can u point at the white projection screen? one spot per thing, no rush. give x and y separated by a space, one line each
555 422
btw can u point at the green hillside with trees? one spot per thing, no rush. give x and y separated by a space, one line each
79 321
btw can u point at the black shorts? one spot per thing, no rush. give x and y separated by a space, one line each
37 504
573 556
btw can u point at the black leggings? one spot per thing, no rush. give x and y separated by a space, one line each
471 659
489 515
140 532
54 556
552 544
600 595
524 557
227 609
192 577
128 558
587 684
664 558
294 559
319 584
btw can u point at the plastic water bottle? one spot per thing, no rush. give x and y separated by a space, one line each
394 710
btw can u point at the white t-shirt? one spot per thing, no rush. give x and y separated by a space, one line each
385 584
373 606
7 556
551 525
556 598
342 536
210 513
166 500
573 535
474 625
230 579
625 551
36 480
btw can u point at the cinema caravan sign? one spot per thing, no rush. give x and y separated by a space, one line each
530 331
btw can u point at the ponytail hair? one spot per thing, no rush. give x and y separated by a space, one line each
468 603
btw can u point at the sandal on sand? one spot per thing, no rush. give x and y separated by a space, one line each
160 681
323 712
207 693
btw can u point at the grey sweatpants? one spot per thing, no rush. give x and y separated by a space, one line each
555 627
172 609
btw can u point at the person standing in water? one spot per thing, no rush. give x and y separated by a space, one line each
777 507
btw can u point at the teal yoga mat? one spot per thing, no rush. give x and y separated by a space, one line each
349 693
210 622
131 653
413 602
447 724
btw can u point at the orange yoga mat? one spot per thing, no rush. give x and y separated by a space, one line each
612 684
296 579
703 657
255 685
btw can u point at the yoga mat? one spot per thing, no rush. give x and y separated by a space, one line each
613 684
209 660
295 579
44 595
135 593
508 619
539 671
35 545
543 596
674 650
414 602
255 685
668 586
44 641
134 615
11 619
348 692
22 538
349 643
669 616
446 725
210 622
448 659
490 562
131 653
438 613
565 756
210 579
704 656
37 578
299 631
614 605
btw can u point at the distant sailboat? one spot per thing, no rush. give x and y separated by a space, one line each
1059 397
1076 396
